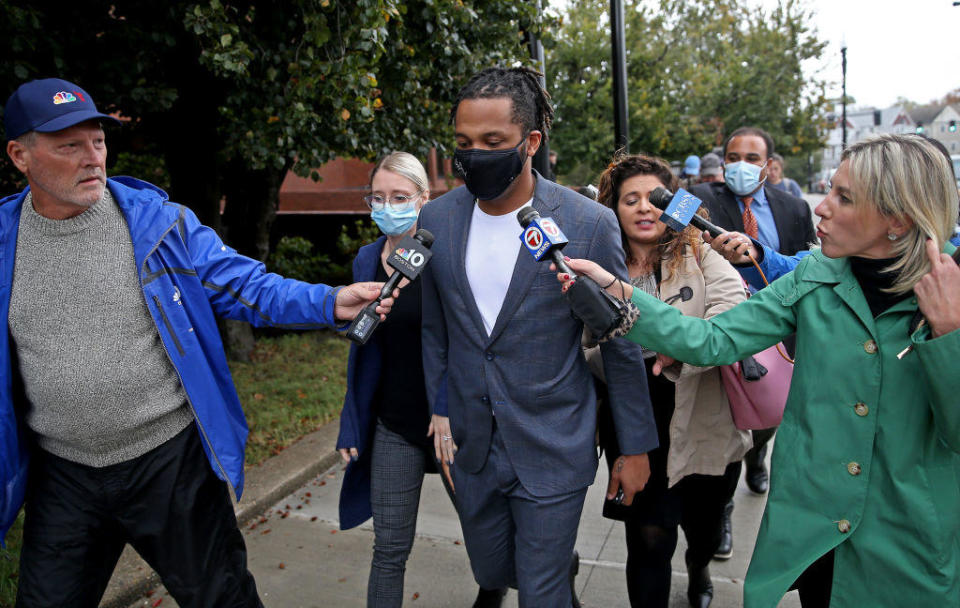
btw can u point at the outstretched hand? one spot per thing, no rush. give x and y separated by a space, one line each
353 298
737 248
588 268
938 292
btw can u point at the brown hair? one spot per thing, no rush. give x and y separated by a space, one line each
624 166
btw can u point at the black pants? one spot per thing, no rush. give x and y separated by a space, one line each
695 503
816 583
167 503
698 502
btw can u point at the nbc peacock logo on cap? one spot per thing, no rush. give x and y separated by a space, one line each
63 97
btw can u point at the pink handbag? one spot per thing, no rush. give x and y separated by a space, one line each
757 389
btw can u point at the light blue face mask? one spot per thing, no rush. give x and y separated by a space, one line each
392 222
742 177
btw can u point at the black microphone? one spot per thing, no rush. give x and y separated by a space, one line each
589 302
408 260
680 210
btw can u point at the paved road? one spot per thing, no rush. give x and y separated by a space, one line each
301 559
813 200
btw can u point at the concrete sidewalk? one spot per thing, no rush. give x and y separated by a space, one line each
300 558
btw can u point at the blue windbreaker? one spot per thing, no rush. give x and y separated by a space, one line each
189 277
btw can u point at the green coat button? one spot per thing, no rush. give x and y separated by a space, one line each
861 409
843 525
854 468
870 346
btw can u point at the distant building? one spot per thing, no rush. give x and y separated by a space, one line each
945 126
937 121
861 124
344 182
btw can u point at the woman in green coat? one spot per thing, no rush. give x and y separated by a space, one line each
864 506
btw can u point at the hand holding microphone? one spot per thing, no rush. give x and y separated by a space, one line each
408 261
577 269
735 247
680 211
589 302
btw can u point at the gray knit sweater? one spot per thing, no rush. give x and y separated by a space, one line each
100 386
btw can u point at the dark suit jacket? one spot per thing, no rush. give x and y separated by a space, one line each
530 371
791 215
357 419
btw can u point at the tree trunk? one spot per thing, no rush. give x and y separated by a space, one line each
190 139
252 198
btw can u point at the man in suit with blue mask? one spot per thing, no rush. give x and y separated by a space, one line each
746 203
502 353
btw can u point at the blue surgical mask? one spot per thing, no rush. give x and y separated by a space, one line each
392 222
742 177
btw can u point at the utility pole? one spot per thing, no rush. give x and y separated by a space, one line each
541 160
621 138
843 67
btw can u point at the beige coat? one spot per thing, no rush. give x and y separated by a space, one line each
703 438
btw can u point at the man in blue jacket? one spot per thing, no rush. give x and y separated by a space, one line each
113 380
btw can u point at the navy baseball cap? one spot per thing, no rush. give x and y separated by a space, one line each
48 105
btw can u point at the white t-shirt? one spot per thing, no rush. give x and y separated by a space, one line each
492 247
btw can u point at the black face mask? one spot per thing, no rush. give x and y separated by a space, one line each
488 173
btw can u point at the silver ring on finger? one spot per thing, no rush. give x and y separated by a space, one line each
445 437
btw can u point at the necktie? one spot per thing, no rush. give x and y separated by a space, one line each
749 220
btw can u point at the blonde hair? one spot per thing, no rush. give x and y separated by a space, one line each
908 178
405 165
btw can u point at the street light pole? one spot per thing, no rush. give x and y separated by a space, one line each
541 160
621 138
843 67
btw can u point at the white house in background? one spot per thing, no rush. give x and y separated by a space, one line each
937 121
862 123
945 126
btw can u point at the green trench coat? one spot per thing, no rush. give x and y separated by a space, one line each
866 460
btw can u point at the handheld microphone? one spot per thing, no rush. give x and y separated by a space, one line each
589 302
680 210
408 261
542 236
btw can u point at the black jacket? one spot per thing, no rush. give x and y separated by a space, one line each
791 215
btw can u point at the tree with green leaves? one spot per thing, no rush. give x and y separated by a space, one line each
233 95
695 72
226 97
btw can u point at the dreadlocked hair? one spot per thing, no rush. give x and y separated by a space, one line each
672 243
531 103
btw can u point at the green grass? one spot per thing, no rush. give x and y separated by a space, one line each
10 564
294 385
